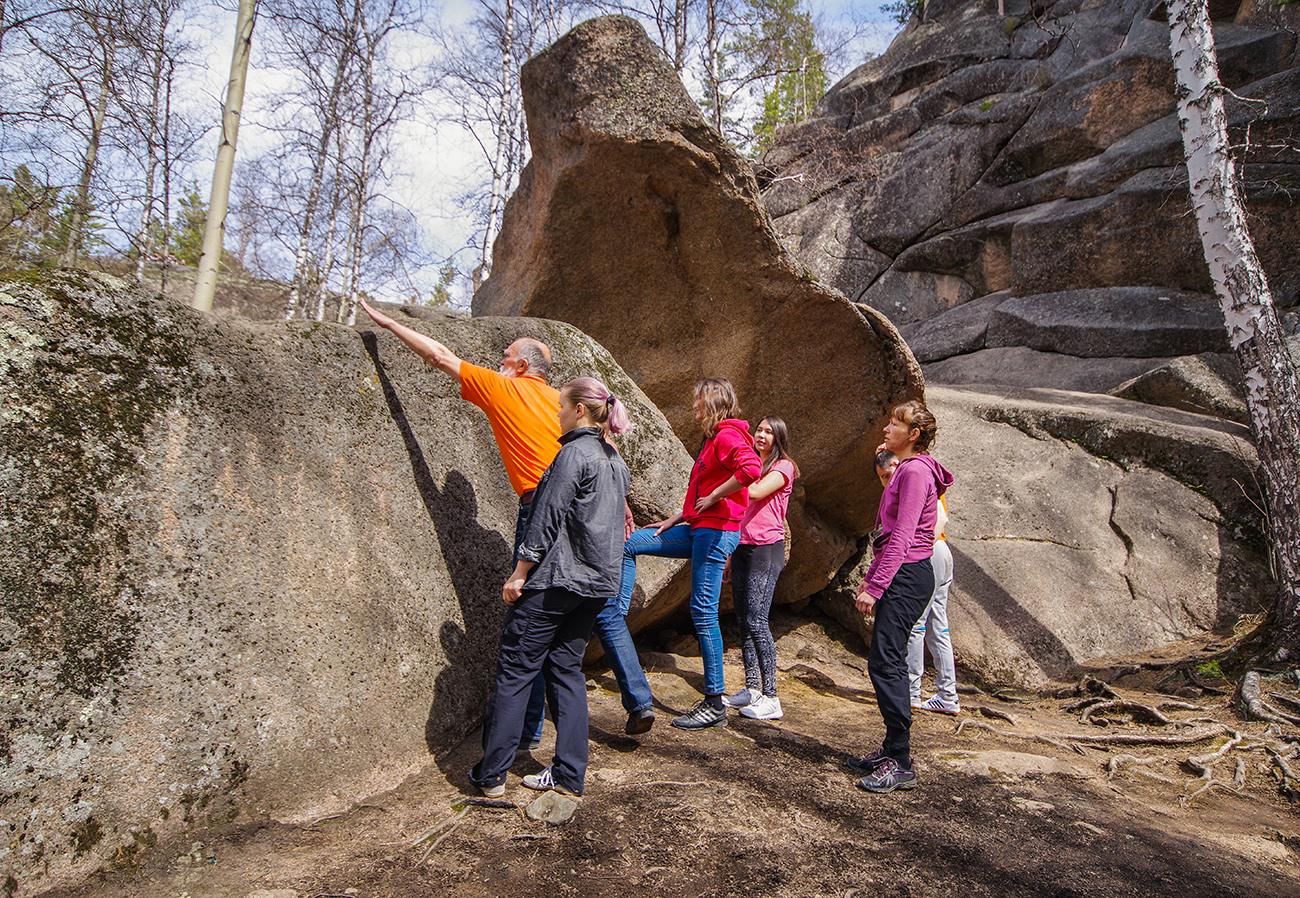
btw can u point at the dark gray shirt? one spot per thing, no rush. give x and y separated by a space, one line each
575 528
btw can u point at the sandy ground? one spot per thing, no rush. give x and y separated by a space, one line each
768 809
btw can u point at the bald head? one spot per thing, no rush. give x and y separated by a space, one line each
527 356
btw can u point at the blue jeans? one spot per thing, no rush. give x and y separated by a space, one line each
611 627
708 549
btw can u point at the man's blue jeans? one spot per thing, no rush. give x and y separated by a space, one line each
708 549
611 627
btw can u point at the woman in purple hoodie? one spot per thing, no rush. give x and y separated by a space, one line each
898 586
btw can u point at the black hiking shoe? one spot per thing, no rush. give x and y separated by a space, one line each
867 765
639 722
701 716
888 777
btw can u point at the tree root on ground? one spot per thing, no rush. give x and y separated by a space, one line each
1256 707
995 714
1091 739
1139 712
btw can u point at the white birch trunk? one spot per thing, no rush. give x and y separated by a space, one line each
144 241
205 284
679 36
1272 388
713 61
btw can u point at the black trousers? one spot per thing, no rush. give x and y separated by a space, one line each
896 613
545 631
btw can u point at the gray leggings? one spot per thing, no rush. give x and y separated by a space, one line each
754 570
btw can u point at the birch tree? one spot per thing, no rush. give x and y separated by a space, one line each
1272 388
205 284
320 44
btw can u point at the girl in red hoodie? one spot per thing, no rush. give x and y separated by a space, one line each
706 536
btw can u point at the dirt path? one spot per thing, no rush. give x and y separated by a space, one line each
763 809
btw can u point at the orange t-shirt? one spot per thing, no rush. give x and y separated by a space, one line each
522 412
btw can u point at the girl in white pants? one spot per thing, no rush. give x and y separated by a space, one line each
932 631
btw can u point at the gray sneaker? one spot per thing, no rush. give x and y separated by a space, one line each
888 777
746 696
701 716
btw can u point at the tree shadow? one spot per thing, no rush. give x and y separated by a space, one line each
1037 641
477 561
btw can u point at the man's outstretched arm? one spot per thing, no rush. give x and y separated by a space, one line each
427 348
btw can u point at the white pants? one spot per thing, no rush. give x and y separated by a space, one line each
932 631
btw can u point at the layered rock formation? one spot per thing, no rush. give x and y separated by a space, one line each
1009 190
637 223
248 570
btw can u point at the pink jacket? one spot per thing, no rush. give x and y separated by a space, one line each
729 451
908 510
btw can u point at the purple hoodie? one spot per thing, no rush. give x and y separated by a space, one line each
906 518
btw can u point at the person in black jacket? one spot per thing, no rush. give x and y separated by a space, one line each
567 567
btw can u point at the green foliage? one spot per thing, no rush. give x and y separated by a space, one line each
34 220
1210 670
188 226
781 53
902 10
447 275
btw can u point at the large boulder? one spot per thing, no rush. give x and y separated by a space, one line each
1029 153
1086 527
635 221
249 570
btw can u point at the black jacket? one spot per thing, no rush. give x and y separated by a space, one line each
575 528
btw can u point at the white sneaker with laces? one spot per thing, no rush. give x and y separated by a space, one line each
742 698
765 707
939 706
545 782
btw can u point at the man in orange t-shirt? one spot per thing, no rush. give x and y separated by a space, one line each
521 407
524 413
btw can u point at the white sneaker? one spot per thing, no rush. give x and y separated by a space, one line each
765 707
939 706
742 698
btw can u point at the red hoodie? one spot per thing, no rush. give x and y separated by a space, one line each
729 451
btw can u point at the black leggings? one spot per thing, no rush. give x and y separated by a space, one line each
754 570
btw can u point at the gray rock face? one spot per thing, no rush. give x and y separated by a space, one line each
1077 532
1031 155
1017 366
636 222
1137 322
249 570
1209 383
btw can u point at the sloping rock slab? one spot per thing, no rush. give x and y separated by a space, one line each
1117 321
1096 537
636 221
249 571
1208 384
1019 367
957 331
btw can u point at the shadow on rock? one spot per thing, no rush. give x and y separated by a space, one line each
477 564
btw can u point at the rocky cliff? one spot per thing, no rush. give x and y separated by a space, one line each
1009 190
248 570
